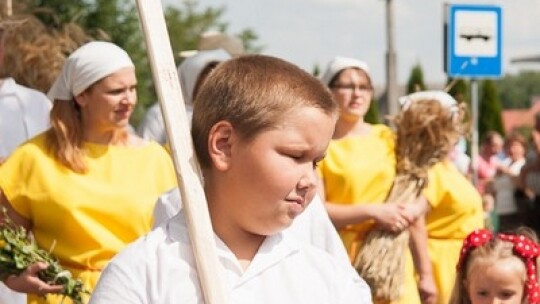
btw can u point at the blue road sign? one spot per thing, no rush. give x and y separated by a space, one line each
474 41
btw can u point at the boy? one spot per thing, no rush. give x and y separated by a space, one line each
260 125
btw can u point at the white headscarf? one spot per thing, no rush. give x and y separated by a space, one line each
190 69
340 63
445 99
84 67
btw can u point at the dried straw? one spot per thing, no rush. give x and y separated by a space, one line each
426 132
34 53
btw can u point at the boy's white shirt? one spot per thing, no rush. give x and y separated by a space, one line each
159 268
312 226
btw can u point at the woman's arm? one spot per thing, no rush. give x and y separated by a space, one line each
12 214
418 245
28 281
388 216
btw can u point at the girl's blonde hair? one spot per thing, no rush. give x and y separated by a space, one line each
490 251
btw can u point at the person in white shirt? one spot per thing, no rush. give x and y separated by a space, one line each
504 185
24 112
192 72
260 126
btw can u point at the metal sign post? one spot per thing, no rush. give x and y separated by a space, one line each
474 50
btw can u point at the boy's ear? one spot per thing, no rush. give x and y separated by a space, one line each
220 140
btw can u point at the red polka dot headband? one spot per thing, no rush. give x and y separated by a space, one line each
525 248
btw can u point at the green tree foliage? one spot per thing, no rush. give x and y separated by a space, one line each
249 37
372 116
416 80
489 109
515 91
187 23
459 89
56 12
316 71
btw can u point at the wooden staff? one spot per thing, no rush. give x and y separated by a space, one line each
9 9
176 122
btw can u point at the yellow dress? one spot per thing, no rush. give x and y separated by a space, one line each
90 217
456 211
361 170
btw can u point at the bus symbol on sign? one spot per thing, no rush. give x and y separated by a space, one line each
474 41
470 34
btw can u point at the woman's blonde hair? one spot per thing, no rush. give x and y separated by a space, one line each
65 138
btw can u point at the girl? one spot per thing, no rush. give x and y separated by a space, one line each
499 268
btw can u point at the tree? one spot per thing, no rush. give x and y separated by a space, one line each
372 115
490 110
515 91
459 89
186 24
416 80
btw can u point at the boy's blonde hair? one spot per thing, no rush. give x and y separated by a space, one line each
253 93
493 251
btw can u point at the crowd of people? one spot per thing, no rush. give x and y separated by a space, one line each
294 176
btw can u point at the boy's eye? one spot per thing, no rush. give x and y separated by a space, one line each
295 156
482 293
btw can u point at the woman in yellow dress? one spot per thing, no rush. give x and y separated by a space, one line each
87 184
455 209
359 169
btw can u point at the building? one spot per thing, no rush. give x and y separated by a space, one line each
517 118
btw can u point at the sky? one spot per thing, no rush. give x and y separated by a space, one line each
312 32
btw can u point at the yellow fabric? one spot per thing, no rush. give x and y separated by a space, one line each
456 211
90 216
361 170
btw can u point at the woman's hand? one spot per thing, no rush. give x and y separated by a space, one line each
29 282
393 217
427 289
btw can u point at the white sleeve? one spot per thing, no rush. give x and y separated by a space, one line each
314 226
356 291
167 206
119 285
152 126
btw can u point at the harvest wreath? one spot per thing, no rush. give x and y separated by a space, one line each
429 125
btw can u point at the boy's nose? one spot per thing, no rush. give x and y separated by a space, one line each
309 180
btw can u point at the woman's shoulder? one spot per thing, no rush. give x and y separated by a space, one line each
382 130
35 147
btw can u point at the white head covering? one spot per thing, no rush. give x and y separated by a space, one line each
444 98
190 69
213 40
340 63
84 67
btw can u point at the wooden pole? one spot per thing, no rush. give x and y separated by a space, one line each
9 8
176 122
